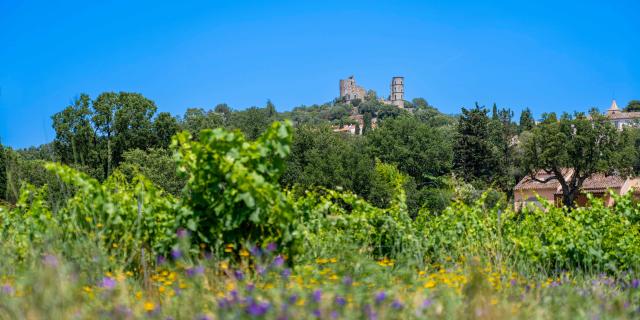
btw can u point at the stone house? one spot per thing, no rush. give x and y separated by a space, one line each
598 185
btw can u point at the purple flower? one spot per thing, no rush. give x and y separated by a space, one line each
250 287
286 273
317 295
514 282
380 296
7 289
257 309
635 283
371 315
190 272
341 301
396 305
50 260
160 260
223 303
334 314
204 317
293 298
182 233
108 283
261 270
238 274
176 253
427 303
347 281
271 247
278 261
255 251
317 313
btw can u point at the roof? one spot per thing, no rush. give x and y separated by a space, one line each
602 182
529 184
614 107
623 115
598 182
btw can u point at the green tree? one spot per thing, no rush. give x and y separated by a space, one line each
75 140
252 121
573 148
3 173
421 151
503 133
155 164
526 120
473 156
323 158
103 117
164 127
132 124
633 106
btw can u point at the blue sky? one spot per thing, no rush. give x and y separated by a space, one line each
546 55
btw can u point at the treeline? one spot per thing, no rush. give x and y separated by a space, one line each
444 157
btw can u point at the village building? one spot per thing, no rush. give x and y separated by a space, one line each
620 118
527 191
350 91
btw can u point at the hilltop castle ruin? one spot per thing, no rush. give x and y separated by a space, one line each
350 91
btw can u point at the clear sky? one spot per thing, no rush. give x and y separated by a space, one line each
547 55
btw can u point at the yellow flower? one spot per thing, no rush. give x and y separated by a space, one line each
87 289
429 284
161 289
149 306
115 245
138 295
129 274
244 253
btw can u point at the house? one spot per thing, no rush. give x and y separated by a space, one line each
621 118
598 185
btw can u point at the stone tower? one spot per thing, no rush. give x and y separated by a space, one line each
397 92
349 90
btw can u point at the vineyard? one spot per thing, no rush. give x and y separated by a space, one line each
237 245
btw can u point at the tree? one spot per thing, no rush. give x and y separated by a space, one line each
132 124
103 117
633 106
75 138
503 132
164 127
473 156
366 123
252 121
421 151
3 173
323 158
573 148
155 164
526 120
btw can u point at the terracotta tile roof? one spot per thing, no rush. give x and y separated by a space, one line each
624 115
529 184
601 182
597 182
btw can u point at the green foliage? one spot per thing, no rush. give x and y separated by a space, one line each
155 164
322 158
3 172
233 190
473 155
584 146
593 238
421 151
633 106
526 120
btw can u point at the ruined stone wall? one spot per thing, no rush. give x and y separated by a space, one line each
349 90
